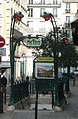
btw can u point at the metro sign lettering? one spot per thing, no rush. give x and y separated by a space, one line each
33 42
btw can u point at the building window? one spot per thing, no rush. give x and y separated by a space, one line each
30 13
42 10
67 19
30 1
42 26
42 1
30 28
67 10
67 23
55 12
67 5
3 51
11 11
68 32
55 1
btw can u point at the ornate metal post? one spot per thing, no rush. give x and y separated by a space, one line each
16 17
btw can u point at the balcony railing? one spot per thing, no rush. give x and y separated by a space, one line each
67 10
29 30
39 4
40 30
67 25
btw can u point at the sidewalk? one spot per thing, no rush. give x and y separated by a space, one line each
70 111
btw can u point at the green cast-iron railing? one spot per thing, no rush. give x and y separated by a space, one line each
23 89
20 90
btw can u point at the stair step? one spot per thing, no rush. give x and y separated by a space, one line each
41 106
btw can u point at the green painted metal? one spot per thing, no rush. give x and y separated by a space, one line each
45 85
12 61
20 90
67 88
58 85
12 54
33 42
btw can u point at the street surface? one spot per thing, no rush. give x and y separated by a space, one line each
70 111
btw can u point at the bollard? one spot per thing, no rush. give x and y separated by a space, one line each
1 96
5 95
1 101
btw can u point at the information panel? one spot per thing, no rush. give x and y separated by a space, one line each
44 68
